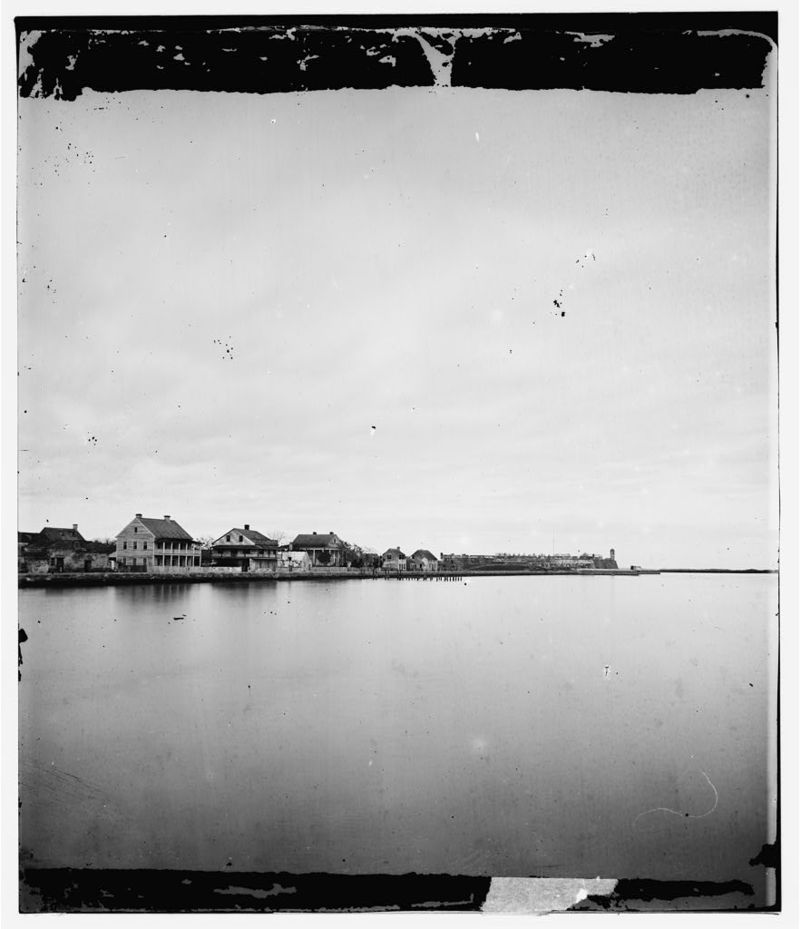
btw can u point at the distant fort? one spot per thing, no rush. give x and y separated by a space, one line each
507 562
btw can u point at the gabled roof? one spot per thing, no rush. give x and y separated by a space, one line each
260 537
317 540
424 553
165 528
255 539
54 534
393 553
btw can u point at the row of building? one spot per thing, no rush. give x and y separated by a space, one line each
162 546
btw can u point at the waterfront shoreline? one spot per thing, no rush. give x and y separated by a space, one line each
118 580
114 580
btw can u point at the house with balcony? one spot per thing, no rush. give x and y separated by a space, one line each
325 549
156 546
245 548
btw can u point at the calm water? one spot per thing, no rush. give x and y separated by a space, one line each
503 726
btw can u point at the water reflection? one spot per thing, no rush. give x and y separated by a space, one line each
513 726
143 594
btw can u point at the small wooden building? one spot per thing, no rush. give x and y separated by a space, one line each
393 559
423 560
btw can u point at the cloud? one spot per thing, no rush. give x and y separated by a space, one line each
249 285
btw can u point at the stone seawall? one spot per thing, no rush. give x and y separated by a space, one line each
97 579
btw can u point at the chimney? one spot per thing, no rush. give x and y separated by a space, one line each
74 527
138 515
167 516
247 527
313 533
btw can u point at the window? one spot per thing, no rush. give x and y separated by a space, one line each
124 544
144 544
227 538
134 548
135 528
241 538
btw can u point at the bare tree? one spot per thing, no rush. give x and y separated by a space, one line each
279 535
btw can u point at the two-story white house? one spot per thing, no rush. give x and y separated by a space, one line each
156 546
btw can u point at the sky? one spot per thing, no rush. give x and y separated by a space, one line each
453 319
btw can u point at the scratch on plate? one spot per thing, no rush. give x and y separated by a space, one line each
666 809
